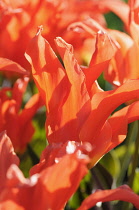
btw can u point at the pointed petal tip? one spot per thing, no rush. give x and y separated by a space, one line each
101 32
59 39
39 30
3 134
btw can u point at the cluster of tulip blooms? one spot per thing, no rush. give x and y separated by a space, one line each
62 47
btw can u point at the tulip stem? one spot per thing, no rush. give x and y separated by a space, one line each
103 180
133 167
126 159
135 160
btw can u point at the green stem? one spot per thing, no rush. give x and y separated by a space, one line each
133 167
135 160
126 159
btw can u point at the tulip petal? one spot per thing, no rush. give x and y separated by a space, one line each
124 60
119 121
18 90
62 89
17 122
123 193
114 7
54 152
47 70
7 157
55 185
101 144
104 50
103 104
8 65
61 184
25 122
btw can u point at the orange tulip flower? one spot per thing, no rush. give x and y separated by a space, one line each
19 19
125 64
119 69
77 109
17 122
49 186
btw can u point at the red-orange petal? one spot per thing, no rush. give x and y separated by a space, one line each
62 89
103 104
8 65
119 122
123 193
7 157
122 13
55 185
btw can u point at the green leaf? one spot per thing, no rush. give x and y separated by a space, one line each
136 181
111 162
